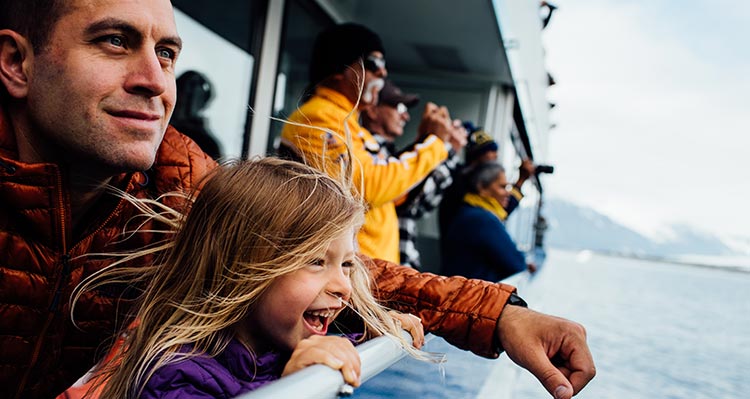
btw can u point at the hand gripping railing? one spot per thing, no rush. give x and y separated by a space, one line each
322 382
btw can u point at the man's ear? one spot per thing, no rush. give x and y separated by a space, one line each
16 55
336 77
371 113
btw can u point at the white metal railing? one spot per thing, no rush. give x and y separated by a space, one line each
323 382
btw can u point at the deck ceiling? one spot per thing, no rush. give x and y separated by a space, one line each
426 38
437 36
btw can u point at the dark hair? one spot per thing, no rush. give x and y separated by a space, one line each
340 46
483 175
194 92
34 19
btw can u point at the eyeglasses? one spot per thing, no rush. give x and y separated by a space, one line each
506 186
373 63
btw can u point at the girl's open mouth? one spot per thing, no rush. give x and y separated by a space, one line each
319 320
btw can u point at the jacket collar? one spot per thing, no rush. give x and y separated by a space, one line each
338 99
244 365
37 193
489 204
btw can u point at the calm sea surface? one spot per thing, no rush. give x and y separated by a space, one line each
656 330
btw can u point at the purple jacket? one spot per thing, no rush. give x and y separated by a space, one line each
231 373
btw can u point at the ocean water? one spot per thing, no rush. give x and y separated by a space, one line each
656 330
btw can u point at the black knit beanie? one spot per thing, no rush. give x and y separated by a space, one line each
339 46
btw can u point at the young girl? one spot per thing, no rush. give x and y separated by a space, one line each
247 288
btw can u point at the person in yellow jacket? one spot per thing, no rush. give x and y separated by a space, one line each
347 71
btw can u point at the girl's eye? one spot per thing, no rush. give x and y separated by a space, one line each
348 263
317 262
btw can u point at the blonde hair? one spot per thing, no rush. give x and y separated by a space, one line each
253 222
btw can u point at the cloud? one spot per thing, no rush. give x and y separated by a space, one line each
652 112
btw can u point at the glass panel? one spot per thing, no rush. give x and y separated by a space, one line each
218 107
229 21
302 22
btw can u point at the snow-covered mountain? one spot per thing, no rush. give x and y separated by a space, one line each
575 227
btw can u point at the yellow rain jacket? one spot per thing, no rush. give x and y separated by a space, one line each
383 179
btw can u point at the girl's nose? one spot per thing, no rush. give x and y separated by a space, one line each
340 283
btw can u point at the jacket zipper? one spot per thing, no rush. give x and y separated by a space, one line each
9 169
63 276
65 258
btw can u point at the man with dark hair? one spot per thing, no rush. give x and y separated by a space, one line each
87 110
91 111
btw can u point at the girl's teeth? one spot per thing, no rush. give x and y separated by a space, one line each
320 313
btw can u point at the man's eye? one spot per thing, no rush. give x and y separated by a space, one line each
166 53
116 41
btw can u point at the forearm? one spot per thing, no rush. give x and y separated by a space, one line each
463 311
386 180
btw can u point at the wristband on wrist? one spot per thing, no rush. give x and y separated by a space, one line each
516 300
513 300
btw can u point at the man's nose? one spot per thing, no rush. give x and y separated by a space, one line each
147 75
382 72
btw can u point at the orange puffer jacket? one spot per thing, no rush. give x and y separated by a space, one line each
41 352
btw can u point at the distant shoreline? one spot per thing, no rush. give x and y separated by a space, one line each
664 259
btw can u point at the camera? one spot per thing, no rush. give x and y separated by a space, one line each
544 169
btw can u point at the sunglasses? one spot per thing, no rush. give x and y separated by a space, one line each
373 63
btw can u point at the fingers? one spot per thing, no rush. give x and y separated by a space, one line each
580 364
526 169
337 353
444 114
459 136
573 359
533 340
413 325
436 120
551 378
532 267
415 328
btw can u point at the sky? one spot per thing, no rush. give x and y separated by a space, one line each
653 112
